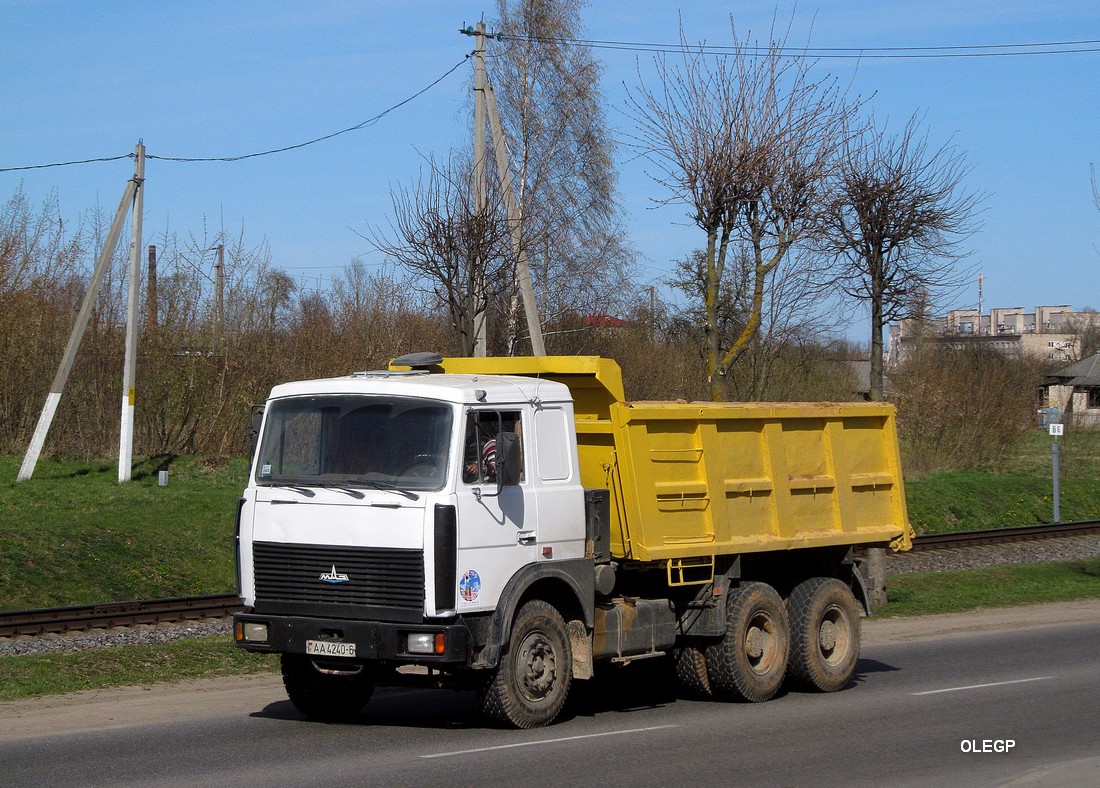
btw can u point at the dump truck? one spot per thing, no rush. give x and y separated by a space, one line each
508 524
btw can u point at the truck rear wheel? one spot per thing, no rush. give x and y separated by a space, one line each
323 696
824 634
750 661
691 670
532 681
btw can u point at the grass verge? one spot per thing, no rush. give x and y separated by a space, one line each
37 675
910 595
1010 585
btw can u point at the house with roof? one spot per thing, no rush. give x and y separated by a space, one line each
1075 390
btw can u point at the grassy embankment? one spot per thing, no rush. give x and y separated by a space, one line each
1020 493
73 535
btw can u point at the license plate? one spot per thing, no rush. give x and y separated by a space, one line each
328 648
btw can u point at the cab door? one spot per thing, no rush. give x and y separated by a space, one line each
497 531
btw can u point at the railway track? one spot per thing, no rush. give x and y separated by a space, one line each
116 614
995 536
156 611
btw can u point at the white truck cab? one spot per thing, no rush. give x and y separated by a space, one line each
349 545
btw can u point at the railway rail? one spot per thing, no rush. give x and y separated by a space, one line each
117 614
157 611
995 536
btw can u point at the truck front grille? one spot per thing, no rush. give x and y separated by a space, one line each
330 578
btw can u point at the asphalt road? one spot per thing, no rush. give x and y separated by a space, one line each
931 708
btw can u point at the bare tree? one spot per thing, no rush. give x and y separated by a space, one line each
552 110
1086 325
749 142
791 316
438 234
963 405
278 288
897 226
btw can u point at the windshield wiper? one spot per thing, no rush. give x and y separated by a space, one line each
341 488
388 486
297 488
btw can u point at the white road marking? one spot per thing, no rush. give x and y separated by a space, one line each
546 741
983 686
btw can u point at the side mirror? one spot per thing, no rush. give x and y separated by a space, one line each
256 418
509 460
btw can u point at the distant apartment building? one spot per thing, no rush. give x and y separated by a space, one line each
1047 332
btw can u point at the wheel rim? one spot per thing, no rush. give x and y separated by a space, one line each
834 636
761 644
538 664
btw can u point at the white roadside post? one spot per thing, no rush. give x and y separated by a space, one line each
1056 431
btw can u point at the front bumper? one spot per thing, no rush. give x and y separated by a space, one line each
374 640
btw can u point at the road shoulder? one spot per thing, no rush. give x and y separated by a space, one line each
882 631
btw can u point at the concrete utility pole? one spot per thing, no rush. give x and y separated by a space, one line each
515 225
63 370
129 373
481 192
485 103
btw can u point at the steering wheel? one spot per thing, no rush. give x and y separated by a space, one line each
424 466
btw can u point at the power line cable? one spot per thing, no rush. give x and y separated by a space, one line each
67 163
956 51
365 124
357 127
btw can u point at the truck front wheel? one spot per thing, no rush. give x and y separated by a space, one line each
824 633
750 661
323 696
529 687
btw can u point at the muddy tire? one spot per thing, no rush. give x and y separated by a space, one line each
531 683
749 663
825 635
691 670
323 696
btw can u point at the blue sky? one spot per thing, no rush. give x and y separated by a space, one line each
203 79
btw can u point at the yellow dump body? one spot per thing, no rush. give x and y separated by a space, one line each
690 481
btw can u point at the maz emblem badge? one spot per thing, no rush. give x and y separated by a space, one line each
334 577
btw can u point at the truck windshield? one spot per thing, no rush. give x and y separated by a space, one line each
355 441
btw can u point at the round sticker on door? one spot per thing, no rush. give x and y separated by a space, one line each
470 586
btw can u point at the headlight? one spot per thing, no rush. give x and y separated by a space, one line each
251 632
426 643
